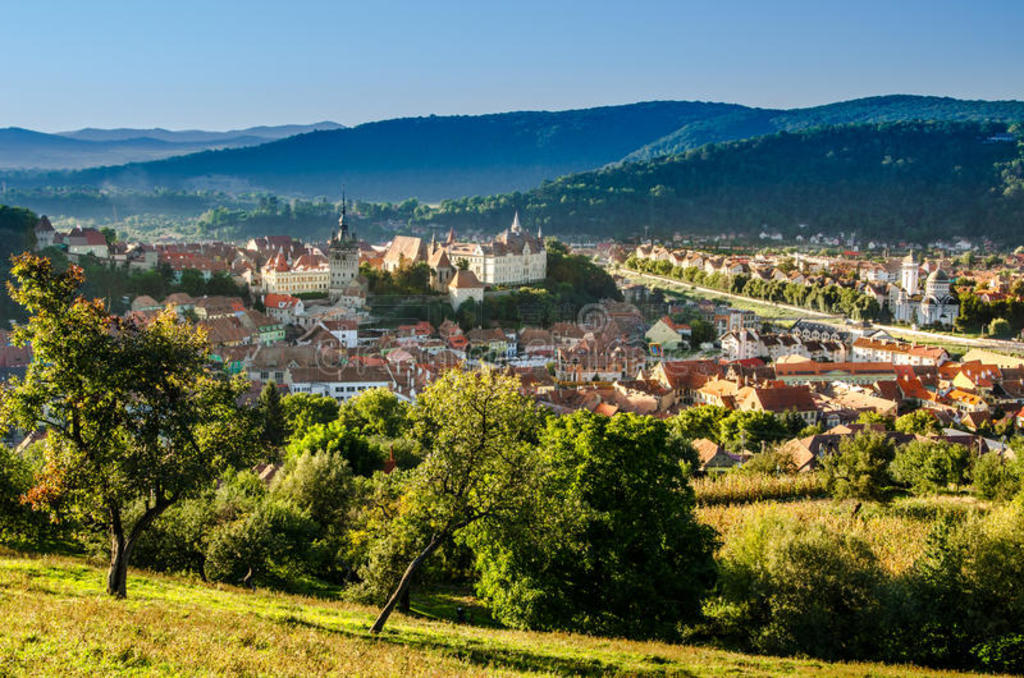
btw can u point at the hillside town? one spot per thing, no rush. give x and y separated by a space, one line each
309 328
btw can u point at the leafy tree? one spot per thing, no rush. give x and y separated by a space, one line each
769 462
1000 327
860 469
303 410
273 427
995 477
612 545
134 415
375 412
319 483
920 422
872 418
698 422
930 466
792 422
928 619
479 463
270 543
192 282
336 438
748 429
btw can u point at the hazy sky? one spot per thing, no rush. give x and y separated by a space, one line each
218 64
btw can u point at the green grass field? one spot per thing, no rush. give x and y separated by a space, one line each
57 621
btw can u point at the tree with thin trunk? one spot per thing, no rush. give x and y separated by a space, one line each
480 433
135 418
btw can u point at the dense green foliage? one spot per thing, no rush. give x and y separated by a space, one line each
931 466
16 235
791 587
920 180
1002 318
748 123
860 469
135 419
602 550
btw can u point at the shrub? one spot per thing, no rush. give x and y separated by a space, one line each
18 522
790 588
1004 654
272 543
769 462
176 542
994 477
921 422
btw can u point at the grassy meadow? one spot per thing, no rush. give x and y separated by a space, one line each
58 621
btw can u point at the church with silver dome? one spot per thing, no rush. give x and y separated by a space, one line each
934 305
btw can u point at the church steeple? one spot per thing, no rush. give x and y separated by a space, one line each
516 228
342 226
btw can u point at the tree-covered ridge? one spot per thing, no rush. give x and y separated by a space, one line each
16 235
437 157
907 181
427 157
753 122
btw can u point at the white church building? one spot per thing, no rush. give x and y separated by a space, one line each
934 305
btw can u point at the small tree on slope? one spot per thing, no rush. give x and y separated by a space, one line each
134 419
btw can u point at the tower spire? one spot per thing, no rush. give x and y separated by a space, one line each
342 226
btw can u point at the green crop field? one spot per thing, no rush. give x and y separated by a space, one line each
57 621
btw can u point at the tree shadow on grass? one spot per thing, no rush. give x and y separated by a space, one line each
479 653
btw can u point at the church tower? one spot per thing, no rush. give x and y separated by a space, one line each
342 257
909 274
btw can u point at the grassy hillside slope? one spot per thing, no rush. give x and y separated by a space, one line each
57 621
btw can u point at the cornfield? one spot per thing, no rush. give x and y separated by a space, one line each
740 488
897 533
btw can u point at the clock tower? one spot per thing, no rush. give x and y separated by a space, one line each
343 258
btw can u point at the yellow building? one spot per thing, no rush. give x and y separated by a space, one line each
308 274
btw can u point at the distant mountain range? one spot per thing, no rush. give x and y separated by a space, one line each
26 149
438 157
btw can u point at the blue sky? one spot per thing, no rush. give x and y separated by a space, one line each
219 64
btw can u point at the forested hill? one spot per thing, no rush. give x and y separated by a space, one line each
429 157
914 181
16 236
753 122
438 157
